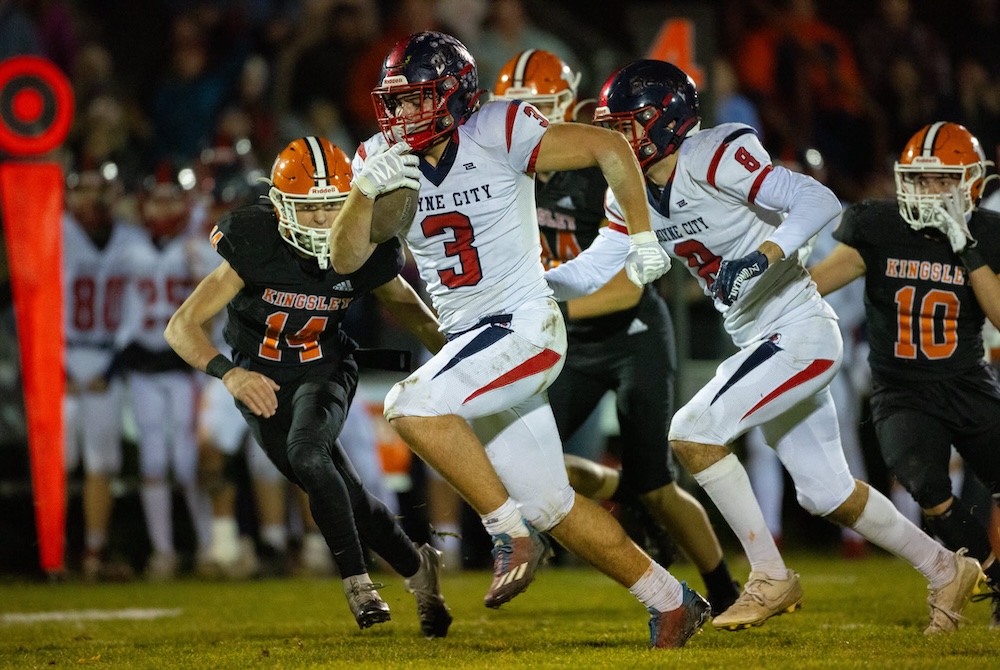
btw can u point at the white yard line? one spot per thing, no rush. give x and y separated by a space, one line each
89 615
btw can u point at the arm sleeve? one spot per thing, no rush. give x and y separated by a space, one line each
592 269
809 204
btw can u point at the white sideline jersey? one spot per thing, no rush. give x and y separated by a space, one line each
481 196
94 283
723 200
161 279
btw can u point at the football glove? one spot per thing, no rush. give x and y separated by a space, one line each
387 169
956 227
646 260
733 274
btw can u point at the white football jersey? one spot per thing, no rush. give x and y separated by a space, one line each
475 236
94 283
723 201
160 280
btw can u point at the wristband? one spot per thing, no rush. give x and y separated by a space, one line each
972 259
219 366
645 237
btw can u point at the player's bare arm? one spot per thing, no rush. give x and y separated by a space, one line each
618 294
411 312
350 235
571 146
840 268
986 285
387 170
186 333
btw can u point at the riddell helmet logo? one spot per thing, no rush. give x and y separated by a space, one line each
323 190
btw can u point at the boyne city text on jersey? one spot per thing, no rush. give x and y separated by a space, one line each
439 201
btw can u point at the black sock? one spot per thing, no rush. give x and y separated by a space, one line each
957 528
722 590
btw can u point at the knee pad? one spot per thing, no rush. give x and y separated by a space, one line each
545 512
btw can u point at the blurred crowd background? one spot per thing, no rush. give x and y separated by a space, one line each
201 95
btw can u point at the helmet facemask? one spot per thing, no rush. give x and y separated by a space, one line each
421 128
308 240
647 131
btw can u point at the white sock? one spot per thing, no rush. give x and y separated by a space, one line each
727 484
225 540
882 524
505 519
658 589
275 535
199 506
157 508
449 540
95 540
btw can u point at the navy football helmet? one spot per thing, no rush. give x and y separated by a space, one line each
653 94
435 73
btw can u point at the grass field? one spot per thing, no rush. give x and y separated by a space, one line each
857 614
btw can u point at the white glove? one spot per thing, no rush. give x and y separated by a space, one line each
646 260
387 169
956 227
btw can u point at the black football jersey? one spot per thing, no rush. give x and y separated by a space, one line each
570 213
286 320
924 322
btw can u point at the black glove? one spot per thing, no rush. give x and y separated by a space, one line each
733 274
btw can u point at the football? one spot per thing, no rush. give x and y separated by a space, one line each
392 212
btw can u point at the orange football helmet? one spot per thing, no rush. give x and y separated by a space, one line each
940 148
542 79
310 170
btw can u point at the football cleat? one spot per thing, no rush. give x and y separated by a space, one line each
948 601
366 604
515 560
672 630
161 567
762 598
426 587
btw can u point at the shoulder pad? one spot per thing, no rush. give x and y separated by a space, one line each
247 236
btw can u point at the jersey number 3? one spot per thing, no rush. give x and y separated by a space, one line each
469 271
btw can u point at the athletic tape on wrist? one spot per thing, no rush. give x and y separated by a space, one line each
219 366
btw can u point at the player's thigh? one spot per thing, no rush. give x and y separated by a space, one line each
522 443
150 410
71 431
645 403
574 395
916 447
101 429
182 390
488 369
761 382
807 441
980 447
